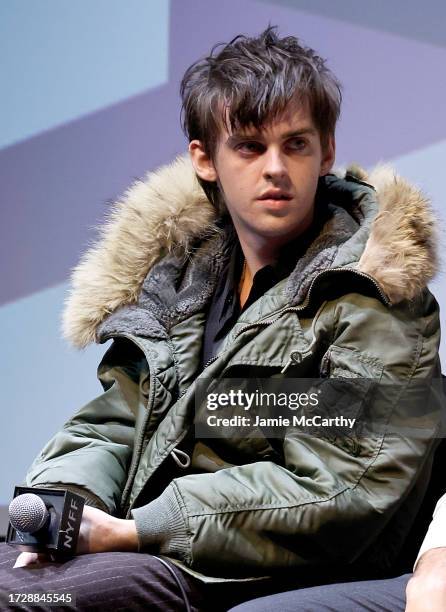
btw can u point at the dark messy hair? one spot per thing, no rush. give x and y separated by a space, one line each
249 82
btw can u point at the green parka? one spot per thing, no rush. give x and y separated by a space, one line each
356 306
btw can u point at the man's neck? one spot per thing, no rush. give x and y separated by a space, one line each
259 252
254 260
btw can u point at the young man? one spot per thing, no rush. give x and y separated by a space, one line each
273 268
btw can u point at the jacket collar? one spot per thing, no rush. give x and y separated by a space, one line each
386 231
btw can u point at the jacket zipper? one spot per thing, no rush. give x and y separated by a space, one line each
305 304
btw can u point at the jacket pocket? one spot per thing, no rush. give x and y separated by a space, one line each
340 362
347 399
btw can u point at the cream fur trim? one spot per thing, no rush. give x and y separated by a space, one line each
401 252
164 212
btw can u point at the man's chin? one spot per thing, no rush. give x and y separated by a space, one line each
281 229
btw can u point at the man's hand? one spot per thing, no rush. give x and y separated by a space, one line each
427 587
99 532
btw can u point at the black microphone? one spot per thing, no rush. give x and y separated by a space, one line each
45 520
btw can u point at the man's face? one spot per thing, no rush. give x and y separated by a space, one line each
269 177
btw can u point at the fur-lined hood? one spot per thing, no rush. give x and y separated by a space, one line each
168 212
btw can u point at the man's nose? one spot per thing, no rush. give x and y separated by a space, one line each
274 165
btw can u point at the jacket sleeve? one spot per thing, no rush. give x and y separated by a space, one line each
327 502
92 452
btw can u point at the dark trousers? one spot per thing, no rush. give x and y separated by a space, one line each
371 595
120 581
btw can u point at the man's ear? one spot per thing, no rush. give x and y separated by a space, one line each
328 156
204 166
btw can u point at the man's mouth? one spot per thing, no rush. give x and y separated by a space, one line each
275 195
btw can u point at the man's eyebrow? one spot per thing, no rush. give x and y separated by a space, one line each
236 137
311 131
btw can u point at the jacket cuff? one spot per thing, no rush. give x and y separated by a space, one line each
161 523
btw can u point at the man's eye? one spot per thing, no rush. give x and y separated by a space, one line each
297 144
250 147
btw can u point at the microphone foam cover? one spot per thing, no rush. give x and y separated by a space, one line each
27 513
